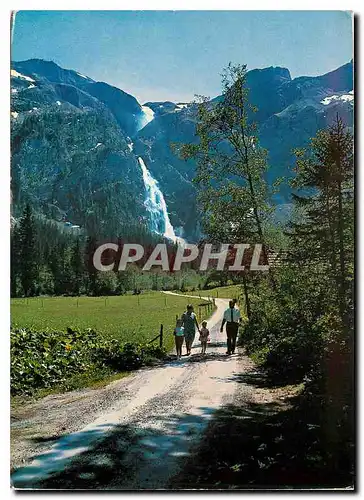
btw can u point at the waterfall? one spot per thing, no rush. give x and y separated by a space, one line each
157 207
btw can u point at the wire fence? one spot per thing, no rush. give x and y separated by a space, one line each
104 300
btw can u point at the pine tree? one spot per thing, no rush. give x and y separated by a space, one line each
77 266
324 236
322 243
14 260
57 267
28 261
91 246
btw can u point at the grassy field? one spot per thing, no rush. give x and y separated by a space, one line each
127 318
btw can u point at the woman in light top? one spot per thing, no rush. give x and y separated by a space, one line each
189 323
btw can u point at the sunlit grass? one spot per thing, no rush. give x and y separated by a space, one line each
127 318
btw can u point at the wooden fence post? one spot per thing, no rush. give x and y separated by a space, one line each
161 337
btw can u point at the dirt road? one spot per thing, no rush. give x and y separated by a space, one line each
136 432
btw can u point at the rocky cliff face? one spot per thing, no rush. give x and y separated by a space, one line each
70 153
71 139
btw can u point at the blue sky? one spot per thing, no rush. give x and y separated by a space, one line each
173 55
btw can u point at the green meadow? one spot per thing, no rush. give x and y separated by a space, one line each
128 318
134 319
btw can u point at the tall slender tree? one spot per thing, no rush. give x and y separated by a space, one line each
232 192
91 246
57 266
324 236
77 266
323 242
15 260
28 261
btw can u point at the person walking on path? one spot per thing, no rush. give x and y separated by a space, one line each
232 318
204 337
179 334
189 323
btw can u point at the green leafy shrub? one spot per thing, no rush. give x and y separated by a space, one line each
43 359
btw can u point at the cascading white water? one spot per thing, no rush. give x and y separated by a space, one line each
157 207
154 201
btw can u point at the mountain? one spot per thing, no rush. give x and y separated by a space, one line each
70 148
80 91
72 154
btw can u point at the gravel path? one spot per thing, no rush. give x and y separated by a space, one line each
133 434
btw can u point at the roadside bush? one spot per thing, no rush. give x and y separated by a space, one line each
287 332
43 359
288 353
292 358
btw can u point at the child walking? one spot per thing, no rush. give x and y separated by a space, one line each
204 336
179 335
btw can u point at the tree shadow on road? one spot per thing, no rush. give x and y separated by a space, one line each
256 378
199 358
267 445
247 445
127 457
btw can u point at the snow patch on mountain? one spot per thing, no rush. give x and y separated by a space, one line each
147 117
83 76
349 97
180 107
15 74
